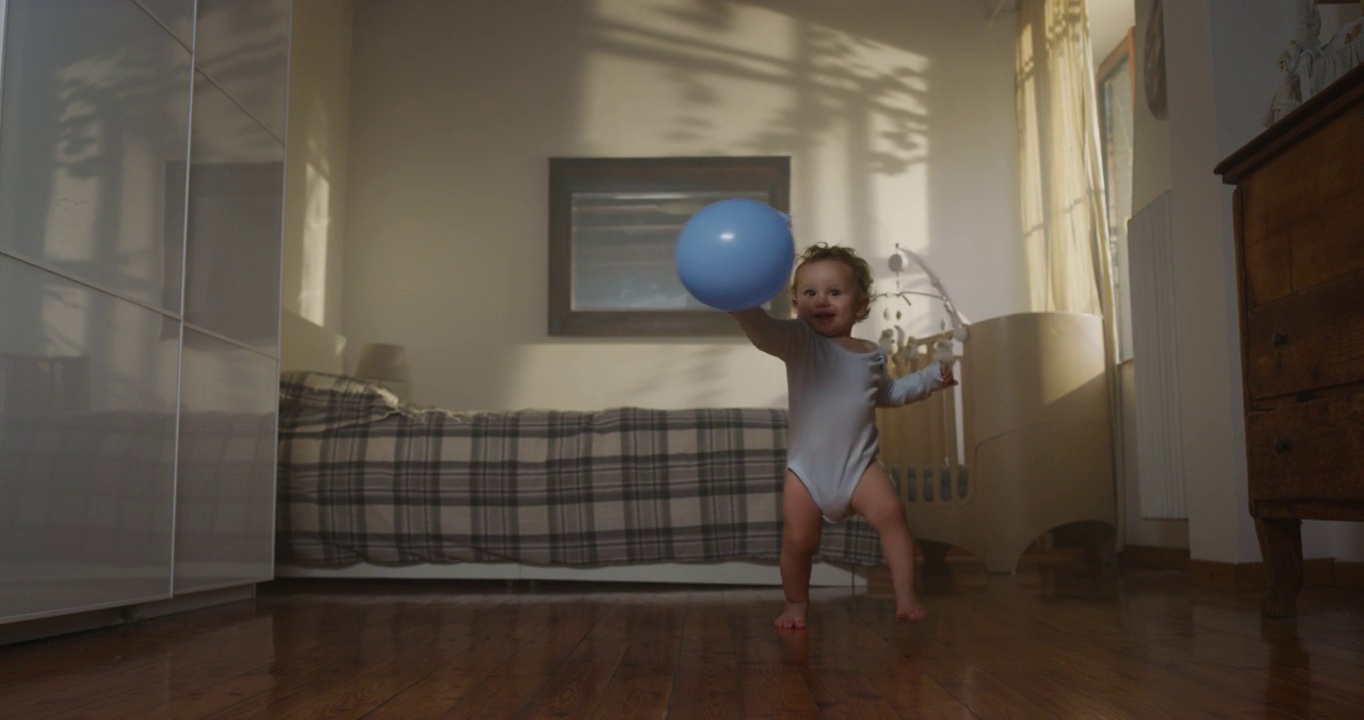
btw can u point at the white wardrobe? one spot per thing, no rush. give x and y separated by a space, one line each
142 147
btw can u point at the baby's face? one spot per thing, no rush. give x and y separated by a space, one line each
827 297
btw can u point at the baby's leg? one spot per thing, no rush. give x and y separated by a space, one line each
876 501
802 523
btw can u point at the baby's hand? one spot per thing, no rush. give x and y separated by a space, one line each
947 379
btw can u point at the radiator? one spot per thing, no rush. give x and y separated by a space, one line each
1160 467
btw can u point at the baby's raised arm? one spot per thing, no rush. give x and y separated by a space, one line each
915 386
770 335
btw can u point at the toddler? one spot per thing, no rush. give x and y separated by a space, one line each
835 382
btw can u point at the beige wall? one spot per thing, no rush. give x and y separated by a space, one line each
315 185
1151 135
1209 365
898 116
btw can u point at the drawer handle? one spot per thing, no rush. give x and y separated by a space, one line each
1281 446
1280 340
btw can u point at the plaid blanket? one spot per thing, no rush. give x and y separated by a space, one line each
363 477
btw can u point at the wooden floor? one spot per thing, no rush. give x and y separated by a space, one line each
1048 642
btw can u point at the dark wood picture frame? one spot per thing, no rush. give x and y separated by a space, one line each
766 178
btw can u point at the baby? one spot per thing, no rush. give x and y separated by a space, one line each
835 383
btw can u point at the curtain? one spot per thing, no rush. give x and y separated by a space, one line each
1063 214
1064 219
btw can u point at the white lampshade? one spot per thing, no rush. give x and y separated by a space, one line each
387 365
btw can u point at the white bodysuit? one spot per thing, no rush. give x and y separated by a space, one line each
834 393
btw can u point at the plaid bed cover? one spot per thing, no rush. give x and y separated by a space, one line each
364 478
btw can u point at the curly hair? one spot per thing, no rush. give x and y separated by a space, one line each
860 269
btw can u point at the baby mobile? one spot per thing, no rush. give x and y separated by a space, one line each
893 339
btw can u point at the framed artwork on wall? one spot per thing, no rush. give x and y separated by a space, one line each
613 224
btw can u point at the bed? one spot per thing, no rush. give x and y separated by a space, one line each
373 487
369 486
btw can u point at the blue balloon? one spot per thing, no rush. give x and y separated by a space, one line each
735 254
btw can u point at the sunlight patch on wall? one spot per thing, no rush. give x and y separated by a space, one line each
681 78
748 79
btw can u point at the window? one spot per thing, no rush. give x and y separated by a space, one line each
1116 88
613 223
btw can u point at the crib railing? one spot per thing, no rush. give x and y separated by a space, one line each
922 444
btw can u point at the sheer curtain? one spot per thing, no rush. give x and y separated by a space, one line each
1064 219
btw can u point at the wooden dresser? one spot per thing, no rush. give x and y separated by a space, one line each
1299 215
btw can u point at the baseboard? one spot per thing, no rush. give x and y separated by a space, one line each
1154 558
1252 577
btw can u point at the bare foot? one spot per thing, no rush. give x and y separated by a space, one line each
794 617
911 611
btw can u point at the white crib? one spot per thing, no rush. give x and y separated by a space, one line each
1033 449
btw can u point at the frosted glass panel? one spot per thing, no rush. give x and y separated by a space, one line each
225 500
178 15
244 46
94 115
235 214
87 440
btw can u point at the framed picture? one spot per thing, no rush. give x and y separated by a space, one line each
613 223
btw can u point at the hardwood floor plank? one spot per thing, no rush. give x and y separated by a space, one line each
581 679
1042 643
901 680
133 671
1140 657
779 691
839 678
356 656
1074 677
643 682
772 683
83 651
657 640
197 664
465 662
509 687
465 679
498 697
377 666
938 641
641 696
706 683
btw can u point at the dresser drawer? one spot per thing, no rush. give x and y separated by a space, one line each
1318 248
1310 449
1308 340
1302 214
1319 164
